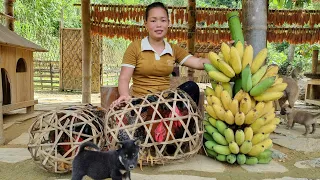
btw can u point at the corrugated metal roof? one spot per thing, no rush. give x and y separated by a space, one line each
11 38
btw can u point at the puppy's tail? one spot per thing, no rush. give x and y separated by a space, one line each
87 144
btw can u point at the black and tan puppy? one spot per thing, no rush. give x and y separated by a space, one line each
115 164
302 117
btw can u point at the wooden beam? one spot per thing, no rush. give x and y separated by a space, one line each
2 139
254 23
191 32
315 55
8 10
19 105
86 51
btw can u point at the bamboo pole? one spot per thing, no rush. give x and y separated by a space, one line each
191 32
254 23
8 9
86 51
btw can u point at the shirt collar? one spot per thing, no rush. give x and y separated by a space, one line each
145 46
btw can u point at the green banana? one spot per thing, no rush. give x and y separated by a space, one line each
210 144
234 148
228 88
246 147
237 86
256 77
221 157
221 126
214 84
262 86
265 154
209 67
251 160
265 160
211 153
246 79
207 136
231 158
219 138
210 129
229 135
212 121
241 159
239 137
222 149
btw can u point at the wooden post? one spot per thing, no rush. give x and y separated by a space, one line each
8 9
254 23
86 51
191 32
2 139
315 55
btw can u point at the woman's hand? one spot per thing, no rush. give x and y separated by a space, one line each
121 99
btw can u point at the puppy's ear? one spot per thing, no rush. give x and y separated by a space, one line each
137 142
119 145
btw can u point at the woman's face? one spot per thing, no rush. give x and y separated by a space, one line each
157 23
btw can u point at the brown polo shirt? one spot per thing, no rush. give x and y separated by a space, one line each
152 70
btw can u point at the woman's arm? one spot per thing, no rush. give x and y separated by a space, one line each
123 85
196 63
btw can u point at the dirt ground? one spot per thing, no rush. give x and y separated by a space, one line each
29 170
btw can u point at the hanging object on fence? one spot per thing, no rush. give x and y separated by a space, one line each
294 35
297 17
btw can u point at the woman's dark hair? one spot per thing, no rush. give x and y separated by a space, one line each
155 5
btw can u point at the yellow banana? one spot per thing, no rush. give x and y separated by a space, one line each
259 60
248 133
216 100
228 117
239 118
239 137
234 148
227 87
267 107
257 138
251 116
253 102
239 47
269 128
239 96
218 90
210 111
277 81
260 109
269 117
226 68
219 111
225 99
209 101
257 124
245 105
246 147
213 58
218 76
209 91
256 150
275 121
271 71
234 106
225 49
267 143
235 60
269 96
277 88
247 56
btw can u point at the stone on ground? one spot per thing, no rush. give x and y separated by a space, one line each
271 167
314 163
23 139
14 155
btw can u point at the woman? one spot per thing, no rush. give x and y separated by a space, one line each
150 61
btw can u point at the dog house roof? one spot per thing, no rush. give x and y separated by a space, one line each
10 38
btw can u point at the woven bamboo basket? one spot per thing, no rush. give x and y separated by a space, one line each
168 124
55 136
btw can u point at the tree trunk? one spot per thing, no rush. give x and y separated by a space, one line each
254 23
291 52
86 51
8 9
191 32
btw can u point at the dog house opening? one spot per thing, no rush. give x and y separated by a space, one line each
6 90
21 65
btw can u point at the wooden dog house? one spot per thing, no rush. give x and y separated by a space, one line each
16 63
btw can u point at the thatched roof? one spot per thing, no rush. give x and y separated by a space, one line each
10 38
